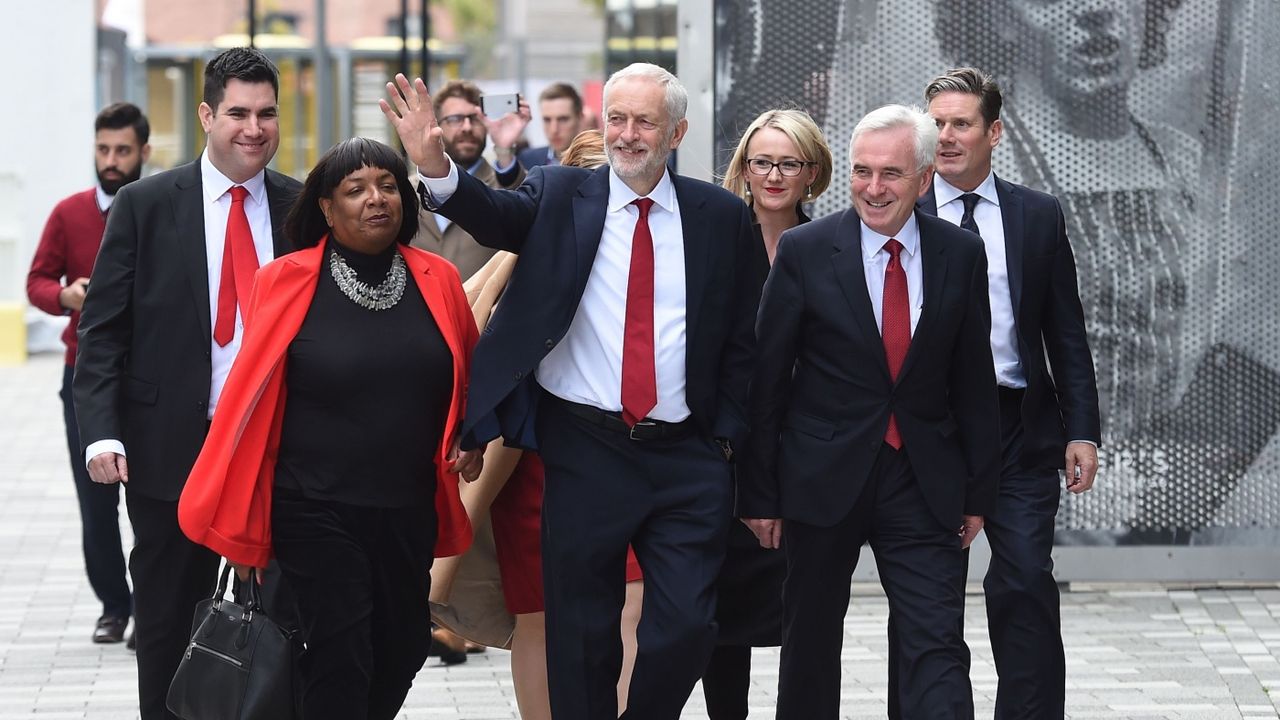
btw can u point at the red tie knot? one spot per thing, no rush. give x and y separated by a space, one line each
238 193
644 204
893 247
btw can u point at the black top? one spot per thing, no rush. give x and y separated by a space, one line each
367 395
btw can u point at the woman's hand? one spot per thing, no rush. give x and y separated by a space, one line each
242 571
467 463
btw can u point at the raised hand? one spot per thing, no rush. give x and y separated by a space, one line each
415 122
505 131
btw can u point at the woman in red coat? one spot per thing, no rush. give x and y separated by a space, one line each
352 483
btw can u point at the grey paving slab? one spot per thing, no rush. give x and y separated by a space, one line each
1135 652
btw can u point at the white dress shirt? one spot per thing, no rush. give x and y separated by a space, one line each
216 189
104 200
1004 338
875 259
586 365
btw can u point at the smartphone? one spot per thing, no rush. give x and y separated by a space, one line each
495 106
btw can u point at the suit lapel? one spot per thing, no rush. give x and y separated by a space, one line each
847 264
695 227
188 216
1011 215
278 201
933 271
928 203
590 206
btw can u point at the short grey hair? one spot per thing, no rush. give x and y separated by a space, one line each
889 117
677 98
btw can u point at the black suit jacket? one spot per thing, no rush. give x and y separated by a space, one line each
143 368
554 221
1061 401
821 394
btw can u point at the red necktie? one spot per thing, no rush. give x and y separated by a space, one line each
239 263
639 372
895 326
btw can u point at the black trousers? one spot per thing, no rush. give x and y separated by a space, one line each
726 682
170 575
99 521
1023 604
670 499
922 568
361 578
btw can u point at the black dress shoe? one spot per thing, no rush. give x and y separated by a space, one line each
110 629
132 642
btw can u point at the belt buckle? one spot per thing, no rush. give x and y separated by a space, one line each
642 423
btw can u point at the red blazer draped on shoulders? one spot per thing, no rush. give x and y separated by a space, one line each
226 503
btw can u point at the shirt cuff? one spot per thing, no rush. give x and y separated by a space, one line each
1083 441
102 446
437 191
500 169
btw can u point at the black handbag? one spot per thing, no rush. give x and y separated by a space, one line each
239 664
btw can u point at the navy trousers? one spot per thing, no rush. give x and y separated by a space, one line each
670 499
99 521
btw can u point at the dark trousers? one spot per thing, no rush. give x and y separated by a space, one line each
99 521
1022 595
670 499
361 578
922 568
726 682
170 575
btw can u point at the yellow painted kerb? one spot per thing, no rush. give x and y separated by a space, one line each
13 334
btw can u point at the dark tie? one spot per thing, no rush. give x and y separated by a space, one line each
967 222
239 263
895 325
639 373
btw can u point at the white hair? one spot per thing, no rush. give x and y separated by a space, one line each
889 117
677 98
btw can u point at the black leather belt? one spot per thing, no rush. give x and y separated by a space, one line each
613 422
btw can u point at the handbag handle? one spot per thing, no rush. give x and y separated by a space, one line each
254 602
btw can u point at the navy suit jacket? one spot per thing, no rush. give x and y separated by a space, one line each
533 157
821 394
554 221
1061 402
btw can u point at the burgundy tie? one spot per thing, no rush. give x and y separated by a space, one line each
239 263
895 326
639 373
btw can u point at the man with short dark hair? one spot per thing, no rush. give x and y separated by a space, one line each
1047 388
161 326
465 130
56 284
561 109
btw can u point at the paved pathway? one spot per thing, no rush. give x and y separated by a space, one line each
1133 652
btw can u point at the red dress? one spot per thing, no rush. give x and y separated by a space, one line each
516 517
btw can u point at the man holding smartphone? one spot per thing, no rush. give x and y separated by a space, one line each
467 126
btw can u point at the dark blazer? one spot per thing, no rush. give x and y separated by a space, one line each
1061 401
821 395
554 221
143 369
533 157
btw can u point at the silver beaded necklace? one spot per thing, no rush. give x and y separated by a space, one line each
382 296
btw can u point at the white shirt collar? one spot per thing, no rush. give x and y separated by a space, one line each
944 192
873 242
104 200
621 195
216 184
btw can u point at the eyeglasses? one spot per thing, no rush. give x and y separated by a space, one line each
452 120
788 168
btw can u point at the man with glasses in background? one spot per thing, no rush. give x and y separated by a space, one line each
465 130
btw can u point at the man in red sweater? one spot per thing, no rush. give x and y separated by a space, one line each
56 284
